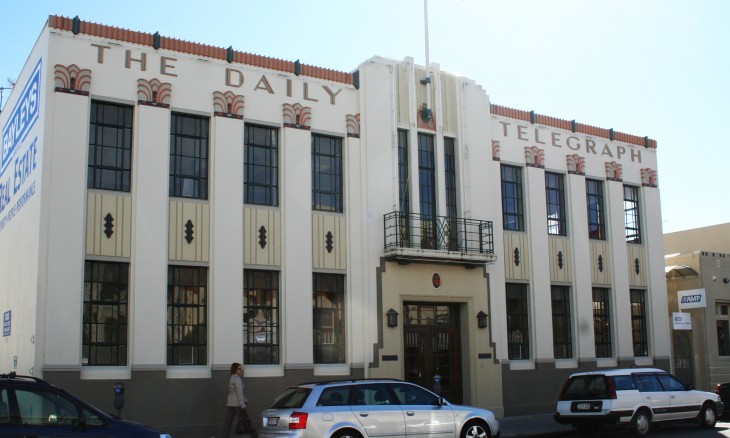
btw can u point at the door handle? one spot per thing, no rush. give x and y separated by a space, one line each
363 414
410 413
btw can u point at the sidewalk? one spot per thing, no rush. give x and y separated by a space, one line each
538 425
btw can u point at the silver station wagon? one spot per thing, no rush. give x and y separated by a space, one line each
371 408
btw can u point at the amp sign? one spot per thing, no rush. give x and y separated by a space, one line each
691 299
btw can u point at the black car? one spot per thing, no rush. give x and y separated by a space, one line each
30 406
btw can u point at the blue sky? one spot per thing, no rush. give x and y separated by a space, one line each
657 68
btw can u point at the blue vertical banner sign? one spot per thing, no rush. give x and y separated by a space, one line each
24 115
6 324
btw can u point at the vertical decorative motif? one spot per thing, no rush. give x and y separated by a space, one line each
600 263
353 125
560 259
297 116
228 104
516 257
576 164
154 92
648 177
496 149
329 242
262 237
72 79
614 171
189 231
108 225
534 157
636 266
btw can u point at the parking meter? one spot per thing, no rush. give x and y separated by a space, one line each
437 382
119 398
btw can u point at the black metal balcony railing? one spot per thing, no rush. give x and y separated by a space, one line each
461 235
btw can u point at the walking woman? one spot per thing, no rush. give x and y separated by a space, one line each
236 401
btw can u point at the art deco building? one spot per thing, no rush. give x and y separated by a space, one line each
168 208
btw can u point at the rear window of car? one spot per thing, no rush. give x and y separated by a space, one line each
292 398
624 383
586 388
334 396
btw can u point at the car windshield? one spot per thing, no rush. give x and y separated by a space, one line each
586 388
291 398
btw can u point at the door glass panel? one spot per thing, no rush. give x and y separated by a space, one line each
39 407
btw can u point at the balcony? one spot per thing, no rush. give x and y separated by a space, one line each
438 238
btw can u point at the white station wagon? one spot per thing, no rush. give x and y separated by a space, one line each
635 398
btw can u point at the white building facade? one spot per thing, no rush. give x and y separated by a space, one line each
168 208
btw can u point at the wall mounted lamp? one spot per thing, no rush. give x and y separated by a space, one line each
392 318
482 319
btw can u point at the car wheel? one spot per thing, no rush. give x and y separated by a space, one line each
641 424
475 429
708 416
347 433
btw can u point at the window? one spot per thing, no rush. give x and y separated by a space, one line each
631 214
555 197
602 322
723 328
450 186
188 156
638 322
562 333
518 342
670 383
326 173
427 190
404 188
512 214
596 221
187 328
45 407
110 147
261 166
412 395
329 318
261 317
106 298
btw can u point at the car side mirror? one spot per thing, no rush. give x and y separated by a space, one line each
439 401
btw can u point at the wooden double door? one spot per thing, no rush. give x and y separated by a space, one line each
432 348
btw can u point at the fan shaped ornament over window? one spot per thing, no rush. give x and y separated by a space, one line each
154 93
72 79
228 104
297 116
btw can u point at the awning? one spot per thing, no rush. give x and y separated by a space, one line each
680 271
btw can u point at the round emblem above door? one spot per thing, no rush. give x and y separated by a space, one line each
436 280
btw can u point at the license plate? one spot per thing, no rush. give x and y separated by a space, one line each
273 421
583 406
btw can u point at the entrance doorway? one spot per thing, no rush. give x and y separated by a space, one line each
433 348
683 369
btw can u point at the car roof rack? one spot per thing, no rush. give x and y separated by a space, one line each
327 382
14 375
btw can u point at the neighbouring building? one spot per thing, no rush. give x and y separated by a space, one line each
167 208
698 288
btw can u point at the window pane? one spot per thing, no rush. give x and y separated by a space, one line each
110 133
512 214
188 156
327 176
518 343
329 318
187 328
562 325
602 322
261 317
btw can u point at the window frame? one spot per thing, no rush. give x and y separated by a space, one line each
195 155
518 321
596 209
329 287
198 311
632 214
97 160
555 203
639 323
513 209
334 194
602 324
270 294
268 171
119 345
562 322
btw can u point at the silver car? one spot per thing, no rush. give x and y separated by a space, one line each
371 408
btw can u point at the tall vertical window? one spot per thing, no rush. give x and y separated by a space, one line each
261 317
555 197
326 173
427 190
110 147
187 323
631 214
722 315
638 322
602 322
106 297
329 318
512 213
404 188
562 327
261 166
188 156
518 323
596 215
450 186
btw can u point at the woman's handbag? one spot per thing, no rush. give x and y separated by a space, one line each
245 425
